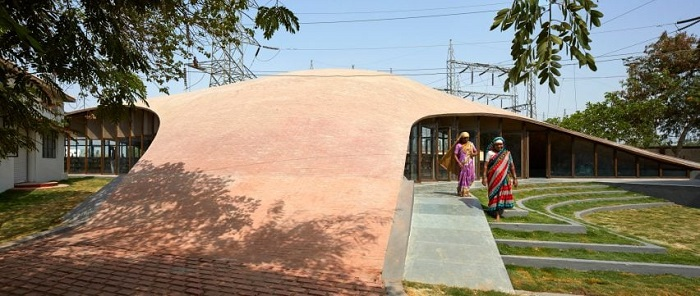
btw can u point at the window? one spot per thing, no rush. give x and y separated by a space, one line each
48 142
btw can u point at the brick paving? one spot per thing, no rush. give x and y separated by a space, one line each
50 268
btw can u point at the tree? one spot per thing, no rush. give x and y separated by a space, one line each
107 49
616 120
659 102
542 54
668 74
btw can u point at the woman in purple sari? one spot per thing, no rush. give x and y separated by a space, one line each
460 160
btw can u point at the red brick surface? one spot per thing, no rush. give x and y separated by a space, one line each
82 269
279 185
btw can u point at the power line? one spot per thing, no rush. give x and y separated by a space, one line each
443 45
398 11
399 18
633 9
389 47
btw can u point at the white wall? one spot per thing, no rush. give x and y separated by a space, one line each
48 169
7 174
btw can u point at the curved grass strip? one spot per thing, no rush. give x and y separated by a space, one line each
670 257
674 227
569 208
592 235
581 214
557 280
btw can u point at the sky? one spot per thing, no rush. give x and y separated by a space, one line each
411 38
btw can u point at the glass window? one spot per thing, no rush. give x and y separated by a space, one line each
561 154
537 154
48 144
443 143
110 157
124 163
428 155
669 170
514 145
583 158
94 156
77 155
626 165
410 168
648 168
606 161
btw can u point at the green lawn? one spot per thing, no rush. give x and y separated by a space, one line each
24 212
673 227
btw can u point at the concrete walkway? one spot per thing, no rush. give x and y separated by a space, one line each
451 243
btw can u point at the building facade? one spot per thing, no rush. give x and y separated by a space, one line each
36 166
97 146
539 150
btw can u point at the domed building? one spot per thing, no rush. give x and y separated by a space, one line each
301 172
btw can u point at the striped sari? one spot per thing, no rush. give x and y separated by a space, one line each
500 188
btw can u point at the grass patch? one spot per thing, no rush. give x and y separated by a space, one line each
683 258
598 236
570 209
27 212
599 282
419 289
540 204
674 226
531 217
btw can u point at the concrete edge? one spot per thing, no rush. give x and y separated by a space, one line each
581 214
397 246
529 227
648 249
73 219
620 266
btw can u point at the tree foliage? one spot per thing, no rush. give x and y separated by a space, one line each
539 37
616 120
668 74
107 49
659 102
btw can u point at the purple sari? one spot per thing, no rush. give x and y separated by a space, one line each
467 174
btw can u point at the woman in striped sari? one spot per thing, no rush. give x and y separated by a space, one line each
499 177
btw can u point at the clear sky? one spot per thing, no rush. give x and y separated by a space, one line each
411 38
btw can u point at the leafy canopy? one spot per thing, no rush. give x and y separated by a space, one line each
107 49
539 38
659 102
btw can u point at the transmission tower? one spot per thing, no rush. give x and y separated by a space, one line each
227 64
455 70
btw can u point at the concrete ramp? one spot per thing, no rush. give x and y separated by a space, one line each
451 242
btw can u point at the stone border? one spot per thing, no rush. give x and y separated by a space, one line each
530 227
648 249
620 266
397 246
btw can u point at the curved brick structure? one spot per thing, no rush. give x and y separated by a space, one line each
295 176
300 172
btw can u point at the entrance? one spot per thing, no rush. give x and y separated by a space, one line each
538 154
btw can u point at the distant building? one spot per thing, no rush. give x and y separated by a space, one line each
96 146
43 165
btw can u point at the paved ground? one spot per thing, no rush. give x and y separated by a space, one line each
451 242
63 266
50 268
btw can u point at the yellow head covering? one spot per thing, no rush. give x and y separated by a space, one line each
447 161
